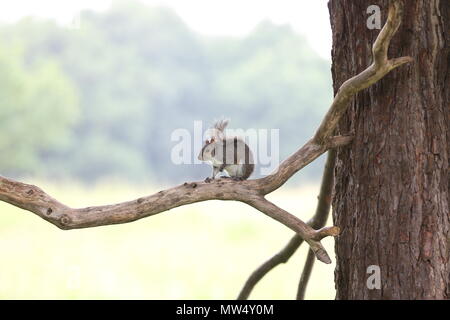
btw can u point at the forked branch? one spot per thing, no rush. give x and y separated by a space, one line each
318 221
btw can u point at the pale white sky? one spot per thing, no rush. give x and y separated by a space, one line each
212 17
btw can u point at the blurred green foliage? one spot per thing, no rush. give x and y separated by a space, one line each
38 109
102 100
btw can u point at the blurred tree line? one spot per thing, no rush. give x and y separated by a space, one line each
102 100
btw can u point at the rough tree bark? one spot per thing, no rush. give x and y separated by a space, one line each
392 184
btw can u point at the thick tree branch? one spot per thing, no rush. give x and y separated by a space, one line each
35 200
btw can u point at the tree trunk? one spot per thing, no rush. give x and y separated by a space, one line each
392 184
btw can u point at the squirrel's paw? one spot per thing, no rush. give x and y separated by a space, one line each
208 180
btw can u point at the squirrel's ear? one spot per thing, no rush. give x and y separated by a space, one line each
221 124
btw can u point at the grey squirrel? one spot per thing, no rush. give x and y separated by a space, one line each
229 154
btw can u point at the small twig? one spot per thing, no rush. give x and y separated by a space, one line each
326 232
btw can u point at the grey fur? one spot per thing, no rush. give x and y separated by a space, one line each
227 153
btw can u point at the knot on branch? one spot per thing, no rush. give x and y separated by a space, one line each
64 222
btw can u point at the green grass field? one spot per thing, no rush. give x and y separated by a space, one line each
201 251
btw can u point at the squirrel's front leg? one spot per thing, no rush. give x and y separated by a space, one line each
216 170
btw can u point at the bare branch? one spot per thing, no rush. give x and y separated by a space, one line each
306 274
326 232
381 45
34 199
396 62
377 70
